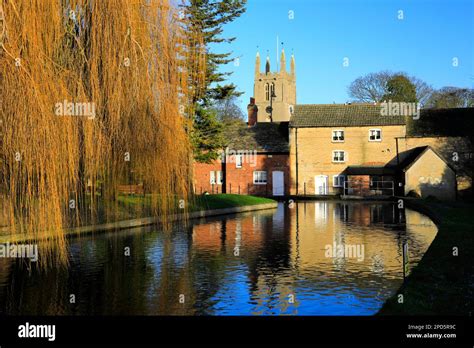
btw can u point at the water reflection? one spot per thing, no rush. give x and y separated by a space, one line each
261 263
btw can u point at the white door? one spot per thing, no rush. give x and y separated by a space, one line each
321 184
278 183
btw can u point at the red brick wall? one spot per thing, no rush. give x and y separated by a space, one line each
360 184
242 178
202 177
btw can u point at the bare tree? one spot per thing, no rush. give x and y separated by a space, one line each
423 90
372 87
228 109
452 97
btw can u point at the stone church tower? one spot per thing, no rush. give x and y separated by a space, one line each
282 85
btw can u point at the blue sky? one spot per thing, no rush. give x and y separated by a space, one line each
323 32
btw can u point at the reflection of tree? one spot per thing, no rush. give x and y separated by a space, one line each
174 278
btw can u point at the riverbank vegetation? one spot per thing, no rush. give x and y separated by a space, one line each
443 281
133 206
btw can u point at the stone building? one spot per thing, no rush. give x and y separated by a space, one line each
276 90
355 151
424 172
328 141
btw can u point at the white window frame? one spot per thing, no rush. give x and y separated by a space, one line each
212 177
215 177
375 129
219 177
239 160
345 156
333 133
258 180
334 178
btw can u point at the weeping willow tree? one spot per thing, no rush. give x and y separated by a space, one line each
91 91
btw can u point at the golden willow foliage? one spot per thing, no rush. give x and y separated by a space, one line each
130 59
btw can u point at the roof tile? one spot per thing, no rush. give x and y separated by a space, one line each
341 115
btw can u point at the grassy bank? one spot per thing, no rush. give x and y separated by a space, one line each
130 203
132 207
441 283
221 201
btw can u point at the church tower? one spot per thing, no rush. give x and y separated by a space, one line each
275 89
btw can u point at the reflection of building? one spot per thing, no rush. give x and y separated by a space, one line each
281 254
375 226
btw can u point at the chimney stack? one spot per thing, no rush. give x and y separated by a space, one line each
252 111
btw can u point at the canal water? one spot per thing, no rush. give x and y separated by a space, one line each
305 258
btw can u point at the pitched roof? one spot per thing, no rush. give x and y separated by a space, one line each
341 115
263 137
408 158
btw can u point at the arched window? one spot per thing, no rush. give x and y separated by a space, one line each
267 91
272 90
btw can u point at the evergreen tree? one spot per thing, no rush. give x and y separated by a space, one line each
206 19
400 89
206 136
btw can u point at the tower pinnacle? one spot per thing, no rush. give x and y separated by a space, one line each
283 60
293 65
257 64
267 65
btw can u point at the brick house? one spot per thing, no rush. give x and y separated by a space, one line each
255 161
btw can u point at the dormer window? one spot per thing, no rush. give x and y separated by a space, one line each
338 136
